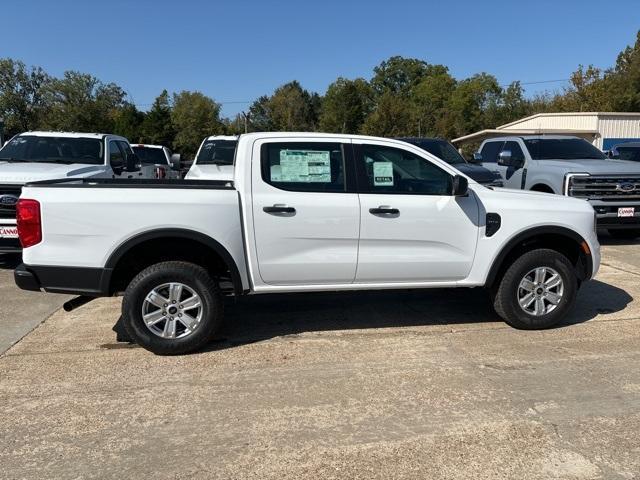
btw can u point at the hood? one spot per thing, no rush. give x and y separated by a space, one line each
21 173
592 166
477 172
210 172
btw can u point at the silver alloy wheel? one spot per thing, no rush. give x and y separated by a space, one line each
172 310
540 291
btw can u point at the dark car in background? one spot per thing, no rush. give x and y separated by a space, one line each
447 152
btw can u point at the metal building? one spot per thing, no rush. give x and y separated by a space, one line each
603 129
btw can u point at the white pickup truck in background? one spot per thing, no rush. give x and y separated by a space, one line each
34 156
304 213
160 159
214 160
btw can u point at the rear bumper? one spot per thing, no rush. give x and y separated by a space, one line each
92 282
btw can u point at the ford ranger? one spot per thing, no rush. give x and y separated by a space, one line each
35 156
304 213
573 167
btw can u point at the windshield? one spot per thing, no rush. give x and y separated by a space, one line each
30 148
562 149
443 150
150 156
629 153
217 152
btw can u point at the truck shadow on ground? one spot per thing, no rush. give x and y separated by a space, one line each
262 317
9 261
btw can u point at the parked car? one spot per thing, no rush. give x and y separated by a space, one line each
305 212
626 151
447 152
34 156
214 160
573 167
165 163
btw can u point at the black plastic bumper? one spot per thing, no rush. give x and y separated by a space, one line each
92 282
25 279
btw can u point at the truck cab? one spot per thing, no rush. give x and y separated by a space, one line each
36 156
573 167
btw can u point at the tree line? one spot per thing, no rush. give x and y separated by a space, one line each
404 97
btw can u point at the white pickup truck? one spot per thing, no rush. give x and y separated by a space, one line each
214 160
34 156
304 213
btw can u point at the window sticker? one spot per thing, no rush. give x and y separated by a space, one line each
307 166
383 174
276 173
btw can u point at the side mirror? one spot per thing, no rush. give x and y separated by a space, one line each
133 163
175 161
476 158
460 186
504 158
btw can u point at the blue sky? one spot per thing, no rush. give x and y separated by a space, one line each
235 51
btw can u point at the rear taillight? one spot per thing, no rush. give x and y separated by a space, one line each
29 222
161 172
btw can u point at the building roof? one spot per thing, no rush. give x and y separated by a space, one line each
513 132
572 114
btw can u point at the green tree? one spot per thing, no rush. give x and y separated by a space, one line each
473 102
23 102
346 105
194 117
391 118
128 122
290 108
81 102
157 127
398 75
429 100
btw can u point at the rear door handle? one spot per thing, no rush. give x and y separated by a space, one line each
384 210
279 209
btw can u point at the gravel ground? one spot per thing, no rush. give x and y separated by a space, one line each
422 384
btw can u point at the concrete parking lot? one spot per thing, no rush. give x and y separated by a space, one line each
421 384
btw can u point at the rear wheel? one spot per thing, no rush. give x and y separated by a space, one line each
627 234
537 290
172 308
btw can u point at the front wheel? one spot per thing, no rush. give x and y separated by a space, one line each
629 234
537 290
172 307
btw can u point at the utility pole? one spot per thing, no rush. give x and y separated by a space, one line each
246 121
1 132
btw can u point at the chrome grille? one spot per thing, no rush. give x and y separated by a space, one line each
8 210
605 188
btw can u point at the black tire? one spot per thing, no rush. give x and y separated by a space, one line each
188 274
627 234
506 297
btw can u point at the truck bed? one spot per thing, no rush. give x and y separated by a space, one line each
84 221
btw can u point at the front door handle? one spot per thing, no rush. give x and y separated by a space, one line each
384 210
279 209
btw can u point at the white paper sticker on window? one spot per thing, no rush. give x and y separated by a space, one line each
382 174
276 173
308 166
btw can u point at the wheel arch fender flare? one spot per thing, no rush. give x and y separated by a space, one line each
530 234
199 237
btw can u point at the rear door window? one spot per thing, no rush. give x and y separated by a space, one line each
304 167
